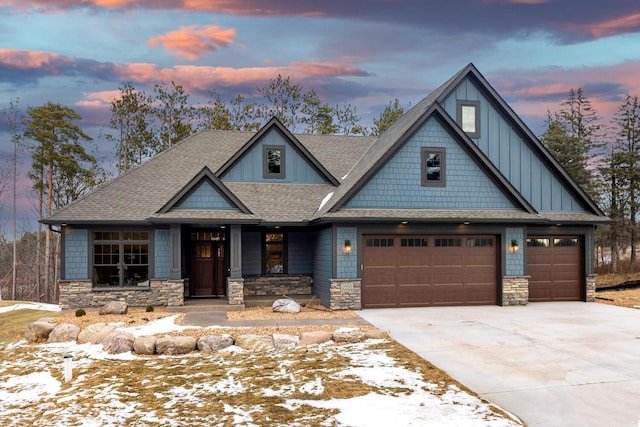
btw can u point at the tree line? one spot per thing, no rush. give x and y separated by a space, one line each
64 163
604 159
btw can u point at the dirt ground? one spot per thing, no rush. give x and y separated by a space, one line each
623 297
138 316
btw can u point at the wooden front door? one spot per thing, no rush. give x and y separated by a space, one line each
208 269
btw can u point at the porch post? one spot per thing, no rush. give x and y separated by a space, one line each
235 284
175 252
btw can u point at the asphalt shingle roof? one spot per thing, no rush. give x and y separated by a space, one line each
138 195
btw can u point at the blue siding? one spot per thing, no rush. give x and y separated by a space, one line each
515 261
249 167
323 265
513 157
205 196
300 253
398 184
76 253
161 253
251 252
346 265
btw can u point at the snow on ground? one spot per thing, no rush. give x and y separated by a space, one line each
226 388
30 306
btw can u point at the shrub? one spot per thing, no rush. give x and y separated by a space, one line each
80 312
149 308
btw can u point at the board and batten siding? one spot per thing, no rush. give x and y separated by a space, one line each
397 185
76 253
251 252
515 159
299 253
250 167
323 265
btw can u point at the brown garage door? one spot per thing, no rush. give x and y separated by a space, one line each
555 268
419 270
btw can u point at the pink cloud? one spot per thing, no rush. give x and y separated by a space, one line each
27 59
611 27
533 92
192 42
205 77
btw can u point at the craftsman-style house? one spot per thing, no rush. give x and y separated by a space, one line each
457 203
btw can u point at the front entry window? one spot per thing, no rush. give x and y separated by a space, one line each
120 258
274 253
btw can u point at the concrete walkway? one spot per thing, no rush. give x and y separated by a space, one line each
551 364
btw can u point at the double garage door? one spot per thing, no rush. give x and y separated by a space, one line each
419 270
431 270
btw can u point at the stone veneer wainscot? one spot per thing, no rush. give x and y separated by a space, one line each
81 293
515 290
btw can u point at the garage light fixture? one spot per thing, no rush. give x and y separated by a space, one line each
514 248
346 249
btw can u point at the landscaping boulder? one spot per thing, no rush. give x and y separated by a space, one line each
145 344
314 338
118 342
348 336
64 332
114 307
282 341
377 334
39 331
95 333
285 305
255 342
175 345
211 343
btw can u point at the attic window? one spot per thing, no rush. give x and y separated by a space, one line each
469 117
273 161
433 167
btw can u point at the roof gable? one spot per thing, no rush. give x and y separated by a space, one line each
512 147
300 165
469 184
204 192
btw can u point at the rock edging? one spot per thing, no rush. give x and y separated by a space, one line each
116 341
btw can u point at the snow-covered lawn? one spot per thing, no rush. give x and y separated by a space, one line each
366 384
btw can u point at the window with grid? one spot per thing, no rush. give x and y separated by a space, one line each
120 258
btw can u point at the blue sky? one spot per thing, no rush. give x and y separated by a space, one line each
364 52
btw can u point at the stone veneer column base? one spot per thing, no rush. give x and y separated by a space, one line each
345 294
235 291
591 288
515 290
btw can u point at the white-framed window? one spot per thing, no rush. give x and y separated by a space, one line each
469 117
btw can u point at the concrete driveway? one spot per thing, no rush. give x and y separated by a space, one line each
551 364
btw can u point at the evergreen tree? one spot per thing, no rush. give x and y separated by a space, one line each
572 138
388 117
57 154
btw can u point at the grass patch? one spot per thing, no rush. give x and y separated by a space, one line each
13 324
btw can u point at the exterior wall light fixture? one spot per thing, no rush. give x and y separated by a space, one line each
346 249
514 248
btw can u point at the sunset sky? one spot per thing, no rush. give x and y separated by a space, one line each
364 52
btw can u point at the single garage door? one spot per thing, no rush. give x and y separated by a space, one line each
424 270
555 268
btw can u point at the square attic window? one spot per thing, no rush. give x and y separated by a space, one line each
273 157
